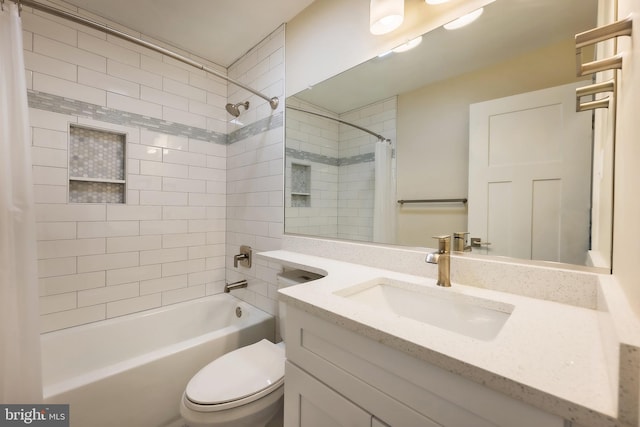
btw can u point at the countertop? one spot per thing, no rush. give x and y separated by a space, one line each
548 354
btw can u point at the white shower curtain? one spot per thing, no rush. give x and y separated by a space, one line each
384 214
20 371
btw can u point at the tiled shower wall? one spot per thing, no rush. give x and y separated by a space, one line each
167 243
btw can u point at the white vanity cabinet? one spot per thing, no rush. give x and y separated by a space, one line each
337 377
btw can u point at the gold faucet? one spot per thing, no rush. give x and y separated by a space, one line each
443 259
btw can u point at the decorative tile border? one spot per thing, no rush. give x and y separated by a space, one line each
62 105
327 160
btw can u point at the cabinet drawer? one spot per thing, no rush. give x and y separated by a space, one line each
333 354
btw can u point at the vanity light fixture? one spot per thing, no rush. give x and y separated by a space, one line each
464 20
385 15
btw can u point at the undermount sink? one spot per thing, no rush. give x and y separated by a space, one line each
471 316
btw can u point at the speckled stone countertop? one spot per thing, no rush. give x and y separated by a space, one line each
556 356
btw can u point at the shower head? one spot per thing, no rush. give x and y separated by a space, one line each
234 109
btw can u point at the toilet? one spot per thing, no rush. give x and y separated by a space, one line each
245 387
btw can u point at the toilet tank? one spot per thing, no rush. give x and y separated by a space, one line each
290 278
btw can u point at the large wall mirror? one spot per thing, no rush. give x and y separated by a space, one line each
473 130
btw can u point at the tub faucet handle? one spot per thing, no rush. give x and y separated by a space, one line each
243 258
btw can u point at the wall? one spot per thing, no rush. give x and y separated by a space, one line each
255 170
626 227
315 54
168 242
433 135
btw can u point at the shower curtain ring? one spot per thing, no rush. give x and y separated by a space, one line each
2 5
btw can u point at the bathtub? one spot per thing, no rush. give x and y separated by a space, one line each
132 370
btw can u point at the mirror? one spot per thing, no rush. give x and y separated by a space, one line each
344 183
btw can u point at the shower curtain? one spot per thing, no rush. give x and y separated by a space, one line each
384 213
20 368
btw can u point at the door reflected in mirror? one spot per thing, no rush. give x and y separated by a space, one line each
423 101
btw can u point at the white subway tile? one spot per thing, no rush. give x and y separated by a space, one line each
108 294
48 28
163 169
144 182
73 282
60 87
183 89
185 294
136 243
178 212
217 125
51 121
218 213
160 256
183 117
133 305
69 318
49 157
107 261
207 110
206 225
51 66
183 240
163 227
196 199
74 212
133 197
56 267
50 193
55 230
163 98
163 198
49 139
133 166
132 105
200 278
133 74
163 140
183 267
110 50
133 274
60 302
184 185
49 175
209 148
164 69
216 187
144 152
27 40
206 251
163 284
107 229
133 213
215 162
207 174
183 158
208 84
108 83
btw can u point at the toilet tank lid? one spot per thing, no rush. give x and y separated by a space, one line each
238 374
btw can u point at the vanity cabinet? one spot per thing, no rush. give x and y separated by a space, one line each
337 377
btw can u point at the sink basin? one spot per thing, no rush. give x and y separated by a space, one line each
471 316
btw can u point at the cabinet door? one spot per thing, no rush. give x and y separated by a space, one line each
309 403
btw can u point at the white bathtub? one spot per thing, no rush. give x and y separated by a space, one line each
131 371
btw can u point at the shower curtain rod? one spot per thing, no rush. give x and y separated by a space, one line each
273 102
380 137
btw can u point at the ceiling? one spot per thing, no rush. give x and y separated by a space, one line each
506 29
220 31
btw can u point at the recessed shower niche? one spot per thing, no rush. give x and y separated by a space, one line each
96 166
300 185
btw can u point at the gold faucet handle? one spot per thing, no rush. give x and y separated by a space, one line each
444 243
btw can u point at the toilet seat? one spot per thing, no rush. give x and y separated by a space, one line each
237 378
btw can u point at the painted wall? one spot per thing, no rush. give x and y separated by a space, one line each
433 136
168 242
626 224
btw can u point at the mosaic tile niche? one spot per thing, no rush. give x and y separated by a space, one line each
96 166
300 185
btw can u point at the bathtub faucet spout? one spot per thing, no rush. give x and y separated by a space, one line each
228 287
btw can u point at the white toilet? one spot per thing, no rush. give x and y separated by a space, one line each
244 387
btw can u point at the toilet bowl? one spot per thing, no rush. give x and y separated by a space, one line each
245 387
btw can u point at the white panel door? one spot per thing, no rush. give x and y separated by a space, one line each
530 174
